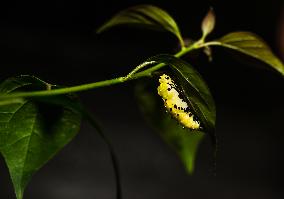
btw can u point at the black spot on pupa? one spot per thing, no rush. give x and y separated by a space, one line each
175 106
169 89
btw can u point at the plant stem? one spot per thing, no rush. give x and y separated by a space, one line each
139 67
66 90
149 71
84 87
90 118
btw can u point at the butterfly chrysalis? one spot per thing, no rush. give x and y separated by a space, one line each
175 104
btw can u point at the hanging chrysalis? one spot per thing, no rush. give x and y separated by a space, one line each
177 107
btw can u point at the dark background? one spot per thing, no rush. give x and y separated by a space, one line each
55 40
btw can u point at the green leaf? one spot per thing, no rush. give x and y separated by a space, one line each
194 88
251 45
148 16
199 98
183 141
33 130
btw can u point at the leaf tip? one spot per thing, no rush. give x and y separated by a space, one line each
189 168
100 29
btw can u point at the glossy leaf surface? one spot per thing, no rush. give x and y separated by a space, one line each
253 46
148 16
183 141
194 89
33 131
197 95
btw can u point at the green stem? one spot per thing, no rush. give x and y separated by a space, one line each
99 84
66 90
158 66
139 67
181 41
90 118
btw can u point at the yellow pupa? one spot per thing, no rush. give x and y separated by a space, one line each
176 106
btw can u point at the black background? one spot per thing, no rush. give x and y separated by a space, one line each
55 40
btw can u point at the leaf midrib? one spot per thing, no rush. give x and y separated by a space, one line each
27 148
242 50
28 136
